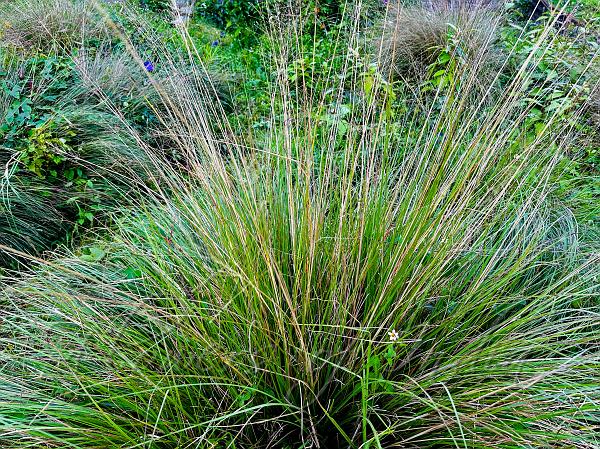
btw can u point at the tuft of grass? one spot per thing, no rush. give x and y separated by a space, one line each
397 278
20 201
413 38
47 26
74 125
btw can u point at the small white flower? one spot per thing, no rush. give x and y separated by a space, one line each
393 335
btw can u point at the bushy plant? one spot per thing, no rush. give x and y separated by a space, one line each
65 119
56 150
419 42
567 68
48 26
249 14
405 285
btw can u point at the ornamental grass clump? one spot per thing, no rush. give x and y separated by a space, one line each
18 204
61 152
381 282
46 26
414 38
70 127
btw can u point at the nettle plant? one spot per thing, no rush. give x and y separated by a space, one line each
442 72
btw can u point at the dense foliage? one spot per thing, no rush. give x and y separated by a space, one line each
373 229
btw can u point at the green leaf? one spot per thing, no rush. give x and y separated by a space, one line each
443 58
133 273
94 254
390 355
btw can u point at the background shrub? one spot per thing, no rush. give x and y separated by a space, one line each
77 122
59 149
50 26
420 42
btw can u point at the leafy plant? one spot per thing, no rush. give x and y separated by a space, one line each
49 135
237 14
